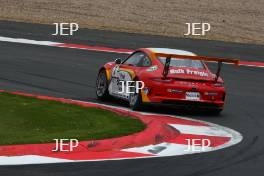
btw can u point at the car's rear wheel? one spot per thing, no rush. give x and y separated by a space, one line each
135 100
215 111
102 85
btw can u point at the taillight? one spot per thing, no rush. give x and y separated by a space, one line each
166 80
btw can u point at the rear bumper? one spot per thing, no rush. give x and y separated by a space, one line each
189 104
210 97
193 104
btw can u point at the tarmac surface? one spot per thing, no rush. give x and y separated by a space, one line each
71 73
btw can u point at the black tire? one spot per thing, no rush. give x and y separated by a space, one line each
216 111
135 99
102 85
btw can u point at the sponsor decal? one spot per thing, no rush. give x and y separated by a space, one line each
122 75
177 71
153 68
189 72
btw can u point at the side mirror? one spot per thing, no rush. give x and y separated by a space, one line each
118 61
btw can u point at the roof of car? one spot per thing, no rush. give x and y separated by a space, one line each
171 51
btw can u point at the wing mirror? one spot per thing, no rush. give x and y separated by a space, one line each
118 61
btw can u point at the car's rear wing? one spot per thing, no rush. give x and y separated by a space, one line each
203 58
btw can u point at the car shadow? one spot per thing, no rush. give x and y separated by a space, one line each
177 111
161 109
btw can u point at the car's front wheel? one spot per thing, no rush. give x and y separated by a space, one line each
102 85
135 100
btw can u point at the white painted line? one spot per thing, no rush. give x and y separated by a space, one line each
29 159
27 41
201 130
251 65
168 149
95 48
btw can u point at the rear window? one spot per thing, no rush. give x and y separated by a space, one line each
183 62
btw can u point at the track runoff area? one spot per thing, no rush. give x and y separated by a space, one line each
180 135
164 135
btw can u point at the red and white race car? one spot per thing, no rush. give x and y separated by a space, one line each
166 76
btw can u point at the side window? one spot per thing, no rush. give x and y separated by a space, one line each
145 62
134 59
138 59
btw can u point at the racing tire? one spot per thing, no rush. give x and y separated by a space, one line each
102 86
216 111
135 99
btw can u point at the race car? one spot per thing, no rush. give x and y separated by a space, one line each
164 76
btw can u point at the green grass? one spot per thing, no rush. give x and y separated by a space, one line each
29 120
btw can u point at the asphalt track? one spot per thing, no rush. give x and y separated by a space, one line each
71 73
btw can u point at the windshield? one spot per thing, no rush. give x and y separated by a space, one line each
183 62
